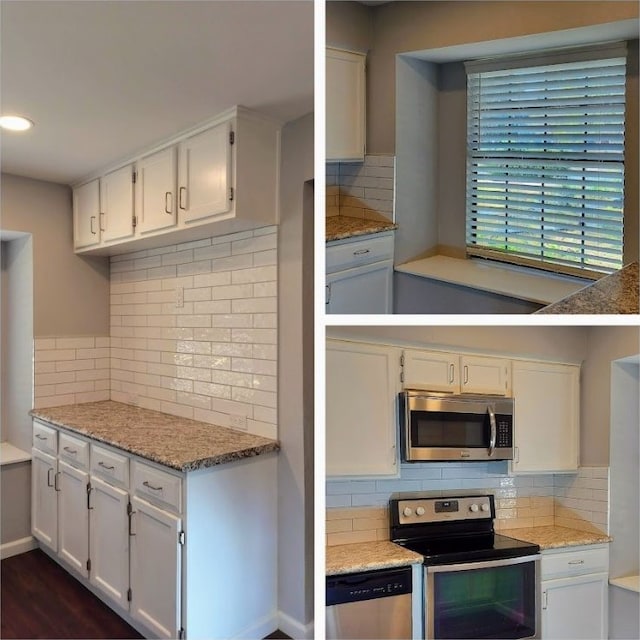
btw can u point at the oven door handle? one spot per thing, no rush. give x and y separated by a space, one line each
486 564
492 423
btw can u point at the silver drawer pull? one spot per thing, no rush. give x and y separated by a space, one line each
106 466
360 252
41 437
73 452
576 562
147 484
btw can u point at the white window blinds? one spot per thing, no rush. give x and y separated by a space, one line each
545 164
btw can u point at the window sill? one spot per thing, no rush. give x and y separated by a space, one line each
512 281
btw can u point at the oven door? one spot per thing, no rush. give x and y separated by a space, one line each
493 599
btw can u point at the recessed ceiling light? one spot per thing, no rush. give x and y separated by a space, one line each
15 123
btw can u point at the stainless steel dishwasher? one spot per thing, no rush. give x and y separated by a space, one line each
371 604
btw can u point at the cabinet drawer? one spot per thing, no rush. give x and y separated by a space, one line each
157 486
110 466
352 254
569 563
74 450
45 438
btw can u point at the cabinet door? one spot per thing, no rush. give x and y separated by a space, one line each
109 540
205 174
485 375
44 499
575 607
431 371
86 215
365 289
155 569
361 400
116 204
546 420
73 517
345 96
156 191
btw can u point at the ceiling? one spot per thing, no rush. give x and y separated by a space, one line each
105 79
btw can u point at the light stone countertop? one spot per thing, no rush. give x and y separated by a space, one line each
616 293
368 556
342 227
179 443
552 537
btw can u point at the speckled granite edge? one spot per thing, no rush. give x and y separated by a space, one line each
617 293
368 556
172 441
343 227
552 537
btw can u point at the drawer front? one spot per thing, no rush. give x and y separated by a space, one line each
45 438
569 563
353 254
110 466
157 486
74 450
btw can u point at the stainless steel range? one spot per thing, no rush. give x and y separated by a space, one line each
478 584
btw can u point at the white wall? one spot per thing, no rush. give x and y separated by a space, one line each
295 381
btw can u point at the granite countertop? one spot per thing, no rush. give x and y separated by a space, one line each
552 537
368 556
179 443
615 293
342 227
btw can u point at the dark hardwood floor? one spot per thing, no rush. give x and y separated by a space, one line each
39 599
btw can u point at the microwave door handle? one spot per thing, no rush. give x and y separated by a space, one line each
492 422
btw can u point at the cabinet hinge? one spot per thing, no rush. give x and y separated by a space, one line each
181 537
232 137
89 564
134 177
402 376
402 360
135 221
129 594
231 193
181 633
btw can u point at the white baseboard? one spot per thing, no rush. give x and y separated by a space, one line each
295 628
16 547
260 629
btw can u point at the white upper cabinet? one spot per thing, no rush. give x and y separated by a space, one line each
116 204
86 215
217 178
205 174
156 202
346 105
454 373
547 414
361 398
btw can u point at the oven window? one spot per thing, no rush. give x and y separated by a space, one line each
441 429
494 602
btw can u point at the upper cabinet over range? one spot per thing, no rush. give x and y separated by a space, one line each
345 91
218 178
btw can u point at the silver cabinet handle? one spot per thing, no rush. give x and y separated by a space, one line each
147 484
49 483
41 437
73 452
102 214
55 481
451 370
466 374
182 190
576 562
168 202
106 466
91 223
89 489
360 252
130 513
327 294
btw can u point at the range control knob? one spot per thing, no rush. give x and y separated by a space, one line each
485 506
420 511
407 511
473 507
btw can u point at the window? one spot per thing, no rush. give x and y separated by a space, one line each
545 161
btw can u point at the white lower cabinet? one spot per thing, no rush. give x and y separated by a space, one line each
575 594
73 517
44 499
155 568
109 540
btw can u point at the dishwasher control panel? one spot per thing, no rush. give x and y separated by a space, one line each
368 585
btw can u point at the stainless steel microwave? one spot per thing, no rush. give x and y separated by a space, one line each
442 427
